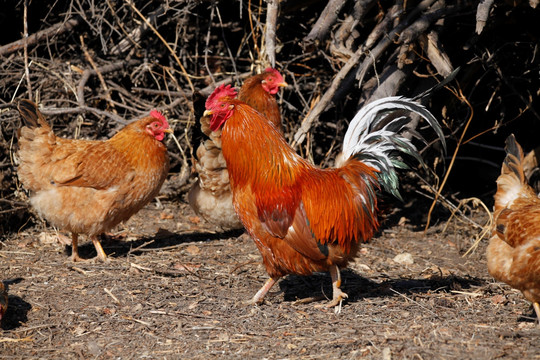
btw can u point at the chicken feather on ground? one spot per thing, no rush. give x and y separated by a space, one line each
302 218
210 196
89 186
513 254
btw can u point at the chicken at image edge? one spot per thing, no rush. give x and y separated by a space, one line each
3 301
90 186
210 196
513 253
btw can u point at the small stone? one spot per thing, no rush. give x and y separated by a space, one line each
404 258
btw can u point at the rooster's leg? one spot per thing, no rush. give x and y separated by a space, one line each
337 294
536 307
75 248
259 296
101 256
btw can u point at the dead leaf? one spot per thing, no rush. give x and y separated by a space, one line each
194 219
166 216
498 299
186 267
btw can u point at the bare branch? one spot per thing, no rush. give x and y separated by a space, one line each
271 19
482 14
322 27
56 29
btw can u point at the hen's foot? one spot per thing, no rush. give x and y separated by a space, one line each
101 256
76 258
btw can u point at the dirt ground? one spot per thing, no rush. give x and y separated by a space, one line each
173 289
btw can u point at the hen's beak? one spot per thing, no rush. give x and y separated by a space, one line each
168 131
283 84
207 113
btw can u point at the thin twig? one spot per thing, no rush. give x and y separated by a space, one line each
98 73
115 299
460 95
207 46
26 67
173 53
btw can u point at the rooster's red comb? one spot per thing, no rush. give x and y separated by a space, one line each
220 92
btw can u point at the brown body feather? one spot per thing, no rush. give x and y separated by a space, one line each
88 187
513 253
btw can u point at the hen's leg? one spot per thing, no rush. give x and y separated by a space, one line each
75 248
337 294
536 307
101 256
259 296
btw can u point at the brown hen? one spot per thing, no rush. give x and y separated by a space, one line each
89 186
513 254
210 196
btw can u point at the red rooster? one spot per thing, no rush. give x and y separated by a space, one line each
210 196
302 218
89 186
513 254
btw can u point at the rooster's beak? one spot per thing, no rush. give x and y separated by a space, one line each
207 113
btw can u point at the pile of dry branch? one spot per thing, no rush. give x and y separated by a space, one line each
95 65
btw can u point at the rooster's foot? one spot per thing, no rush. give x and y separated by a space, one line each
259 296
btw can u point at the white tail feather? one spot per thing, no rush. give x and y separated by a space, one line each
374 138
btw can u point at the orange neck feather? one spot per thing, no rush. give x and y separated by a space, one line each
139 147
256 153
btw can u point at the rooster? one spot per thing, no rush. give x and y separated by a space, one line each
88 186
210 196
302 218
513 254
3 301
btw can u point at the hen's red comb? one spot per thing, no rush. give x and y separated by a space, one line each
219 92
157 115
